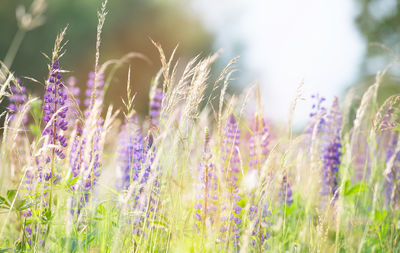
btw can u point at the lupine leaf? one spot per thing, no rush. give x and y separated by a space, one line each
355 189
11 195
72 181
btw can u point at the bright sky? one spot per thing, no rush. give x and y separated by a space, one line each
286 41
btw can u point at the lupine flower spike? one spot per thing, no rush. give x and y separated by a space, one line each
155 106
331 153
285 193
392 173
259 212
317 114
17 100
130 152
260 221
55 110
259 141
85 166
231 208
206 196
90 86
73 98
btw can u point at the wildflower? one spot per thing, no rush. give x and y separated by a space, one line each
259 144
18 148
285 193
152 180
90 86
317 114
17 100
93 166
231 208
131 153
55 107
258 211
136 156
73 89
206 197
155 106
387 122
75 158
28 226
387 115
73 99
331 152
259 216
392 173
86 166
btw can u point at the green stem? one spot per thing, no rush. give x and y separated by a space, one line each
15 44
51 180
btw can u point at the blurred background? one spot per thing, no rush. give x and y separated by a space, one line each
332 46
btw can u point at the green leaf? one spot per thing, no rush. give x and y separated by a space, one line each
355 189
380 215
35 129
158 222
101 209
89 238
346 186
72 181
36 110
3 202
23 205
19 204
47 216
2 250
11 195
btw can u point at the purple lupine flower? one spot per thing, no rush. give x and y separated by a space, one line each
259 216
206 196
145 197
93 167
90 86
392 175
73 88
387 122
259 212
28 226
361 160
317 114
136 155
156 105
85 166
17 100
285 193
259 141
131 153
75 159
74 91
153 181
232 209
55 108
331 153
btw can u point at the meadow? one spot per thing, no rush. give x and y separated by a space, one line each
202 172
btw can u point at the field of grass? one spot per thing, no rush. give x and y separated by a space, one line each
202 172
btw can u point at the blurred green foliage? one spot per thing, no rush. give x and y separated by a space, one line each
379 23
129 26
